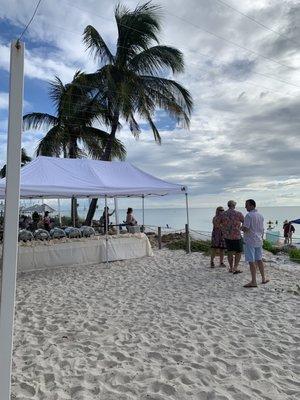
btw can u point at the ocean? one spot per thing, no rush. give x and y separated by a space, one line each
200 218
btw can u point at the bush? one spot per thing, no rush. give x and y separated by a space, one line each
196 245
294 255
269 247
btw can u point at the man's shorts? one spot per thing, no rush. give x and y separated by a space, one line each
235 246
252 253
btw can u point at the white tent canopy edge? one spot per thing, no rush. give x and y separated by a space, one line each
51 177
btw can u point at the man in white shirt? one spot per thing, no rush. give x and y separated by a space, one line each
253 228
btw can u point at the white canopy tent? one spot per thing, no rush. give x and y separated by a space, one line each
50 177
58 178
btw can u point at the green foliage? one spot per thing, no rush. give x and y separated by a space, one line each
294 255
24 160
131 81
70 132
196 245
269 247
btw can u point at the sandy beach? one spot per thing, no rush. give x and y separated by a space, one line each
158 328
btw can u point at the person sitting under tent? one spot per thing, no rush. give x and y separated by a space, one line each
35 220
47 221
130 220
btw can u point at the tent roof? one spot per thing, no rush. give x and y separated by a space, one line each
52 177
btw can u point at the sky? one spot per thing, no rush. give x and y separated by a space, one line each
242 64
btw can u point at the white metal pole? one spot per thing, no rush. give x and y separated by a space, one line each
117 214
188 221
73 210
12 196
106 231
59 211
143 208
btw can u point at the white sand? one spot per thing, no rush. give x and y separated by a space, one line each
165 327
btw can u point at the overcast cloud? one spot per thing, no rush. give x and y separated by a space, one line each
244 135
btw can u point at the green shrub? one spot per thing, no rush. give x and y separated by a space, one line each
196 245
269 247
294 255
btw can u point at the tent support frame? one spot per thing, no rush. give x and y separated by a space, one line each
106 231
143 208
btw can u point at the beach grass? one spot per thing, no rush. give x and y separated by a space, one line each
202 246
269 247
294 255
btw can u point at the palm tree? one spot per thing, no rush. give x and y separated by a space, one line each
71 133
24 160
132 81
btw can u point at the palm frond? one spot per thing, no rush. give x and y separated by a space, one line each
136 29
134 126
56 92
170 95
52 143
156 58
38 120
95 141
97 46
25 158
156 134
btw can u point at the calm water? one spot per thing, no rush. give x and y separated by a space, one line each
200 218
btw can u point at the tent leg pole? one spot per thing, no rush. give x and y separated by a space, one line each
73 210
59 211
12 195
117 214
143 208
187 224
106 231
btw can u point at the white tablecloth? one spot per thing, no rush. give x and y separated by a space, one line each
82 251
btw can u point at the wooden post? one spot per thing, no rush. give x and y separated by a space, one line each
159 237
187 233
11 222
187 239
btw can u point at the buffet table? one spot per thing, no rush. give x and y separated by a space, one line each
85 251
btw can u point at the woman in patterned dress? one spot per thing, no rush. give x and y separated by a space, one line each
217 239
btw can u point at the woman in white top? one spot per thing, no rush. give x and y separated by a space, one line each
130 220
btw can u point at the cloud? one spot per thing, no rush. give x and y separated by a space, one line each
3 100
244 137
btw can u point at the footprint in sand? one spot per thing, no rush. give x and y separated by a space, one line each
163 387
169 373
119 356
252 374
27 389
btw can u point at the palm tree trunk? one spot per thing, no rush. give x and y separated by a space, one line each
106 157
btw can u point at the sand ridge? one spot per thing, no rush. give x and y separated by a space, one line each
162 327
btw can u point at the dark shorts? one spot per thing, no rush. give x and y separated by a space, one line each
234 245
